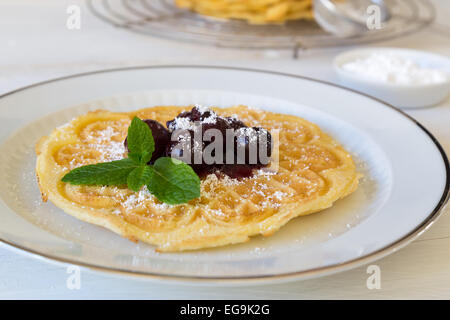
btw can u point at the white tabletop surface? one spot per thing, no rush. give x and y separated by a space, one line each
36 45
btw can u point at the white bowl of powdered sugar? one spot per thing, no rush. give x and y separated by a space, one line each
405 78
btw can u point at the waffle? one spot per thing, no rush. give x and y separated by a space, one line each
254 11
313 171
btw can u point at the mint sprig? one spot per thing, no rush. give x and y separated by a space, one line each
140 141
169 180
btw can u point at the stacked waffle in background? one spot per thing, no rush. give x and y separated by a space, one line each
254 11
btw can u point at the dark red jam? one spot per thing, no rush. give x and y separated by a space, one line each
182 134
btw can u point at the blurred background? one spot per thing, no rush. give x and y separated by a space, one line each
38 44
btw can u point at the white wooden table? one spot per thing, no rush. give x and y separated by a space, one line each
36 45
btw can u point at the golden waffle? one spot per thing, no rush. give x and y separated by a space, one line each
254 11
314 171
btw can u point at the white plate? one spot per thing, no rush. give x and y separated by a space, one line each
404 189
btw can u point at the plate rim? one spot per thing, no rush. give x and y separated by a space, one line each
305 274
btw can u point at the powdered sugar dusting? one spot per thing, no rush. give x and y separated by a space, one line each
182 124
112 151
262 192
141 199
104 144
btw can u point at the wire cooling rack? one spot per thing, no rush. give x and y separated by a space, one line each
162 18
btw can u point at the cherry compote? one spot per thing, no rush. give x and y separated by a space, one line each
240 156
245 156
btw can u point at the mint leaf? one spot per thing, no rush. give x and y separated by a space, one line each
139 176
140 141
113 173
173 181
170 180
